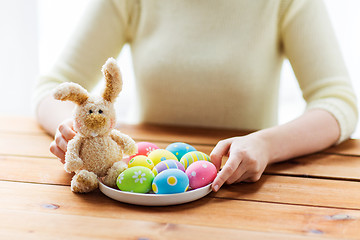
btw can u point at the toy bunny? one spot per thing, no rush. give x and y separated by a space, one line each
97 148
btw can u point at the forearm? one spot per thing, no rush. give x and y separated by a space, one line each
315 130
50 113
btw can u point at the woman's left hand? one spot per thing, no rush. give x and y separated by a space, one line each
248 158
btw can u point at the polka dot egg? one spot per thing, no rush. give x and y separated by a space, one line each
167 164
170 181
192 157
179 149
159 155
141 160
201 173
136 179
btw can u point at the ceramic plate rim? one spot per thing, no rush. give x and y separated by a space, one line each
152 199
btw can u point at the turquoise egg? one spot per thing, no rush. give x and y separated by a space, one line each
179 149
170 181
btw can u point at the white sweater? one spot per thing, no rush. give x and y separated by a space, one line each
212 63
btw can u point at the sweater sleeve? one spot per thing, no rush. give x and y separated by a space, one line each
101 33
310 45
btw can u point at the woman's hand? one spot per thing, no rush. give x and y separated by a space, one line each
248 158
64 133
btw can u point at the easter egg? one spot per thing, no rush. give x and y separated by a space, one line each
201 173
170 181
136 179
179 149
141 160
191 157
159 155
144 148
167 164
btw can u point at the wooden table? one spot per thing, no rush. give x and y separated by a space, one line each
313 197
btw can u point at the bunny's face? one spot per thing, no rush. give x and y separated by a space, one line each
96 117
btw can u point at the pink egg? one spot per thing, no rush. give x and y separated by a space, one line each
201 173
145 148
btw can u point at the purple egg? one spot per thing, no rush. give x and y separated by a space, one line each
167 164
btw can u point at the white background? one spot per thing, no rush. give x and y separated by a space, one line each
33 33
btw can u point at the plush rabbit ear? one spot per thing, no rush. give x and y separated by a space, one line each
72 92
113 80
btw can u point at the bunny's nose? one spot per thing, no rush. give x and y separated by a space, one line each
95 121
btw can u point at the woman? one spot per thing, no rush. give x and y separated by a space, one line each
205 63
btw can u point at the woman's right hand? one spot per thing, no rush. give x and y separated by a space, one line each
64 133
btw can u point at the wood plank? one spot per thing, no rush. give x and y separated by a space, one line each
242 215
36 170
349 147
292 190
319 165
25 145
43 225
19 124
299 191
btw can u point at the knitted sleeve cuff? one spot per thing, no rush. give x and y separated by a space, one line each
345 115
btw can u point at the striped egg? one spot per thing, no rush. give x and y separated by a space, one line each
191 157
179 149
167 164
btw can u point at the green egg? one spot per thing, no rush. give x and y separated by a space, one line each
137 179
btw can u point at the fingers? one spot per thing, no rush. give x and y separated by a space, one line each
63 134
221 149
54 149
231 171
66 129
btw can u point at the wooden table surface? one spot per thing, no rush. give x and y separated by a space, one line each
312 197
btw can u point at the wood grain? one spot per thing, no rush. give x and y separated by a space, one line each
25 145
299 191
241 215
279 189
350 147
36 225
36 170
320 165
19 124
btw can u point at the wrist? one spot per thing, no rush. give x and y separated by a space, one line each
270 145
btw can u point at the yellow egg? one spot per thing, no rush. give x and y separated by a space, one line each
159 155
141 160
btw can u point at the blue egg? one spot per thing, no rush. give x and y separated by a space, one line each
170 181
179 149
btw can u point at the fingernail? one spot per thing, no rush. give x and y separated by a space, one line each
216 188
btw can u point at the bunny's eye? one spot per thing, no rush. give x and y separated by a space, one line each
101 111
90 111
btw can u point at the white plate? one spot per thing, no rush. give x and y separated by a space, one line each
152 199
